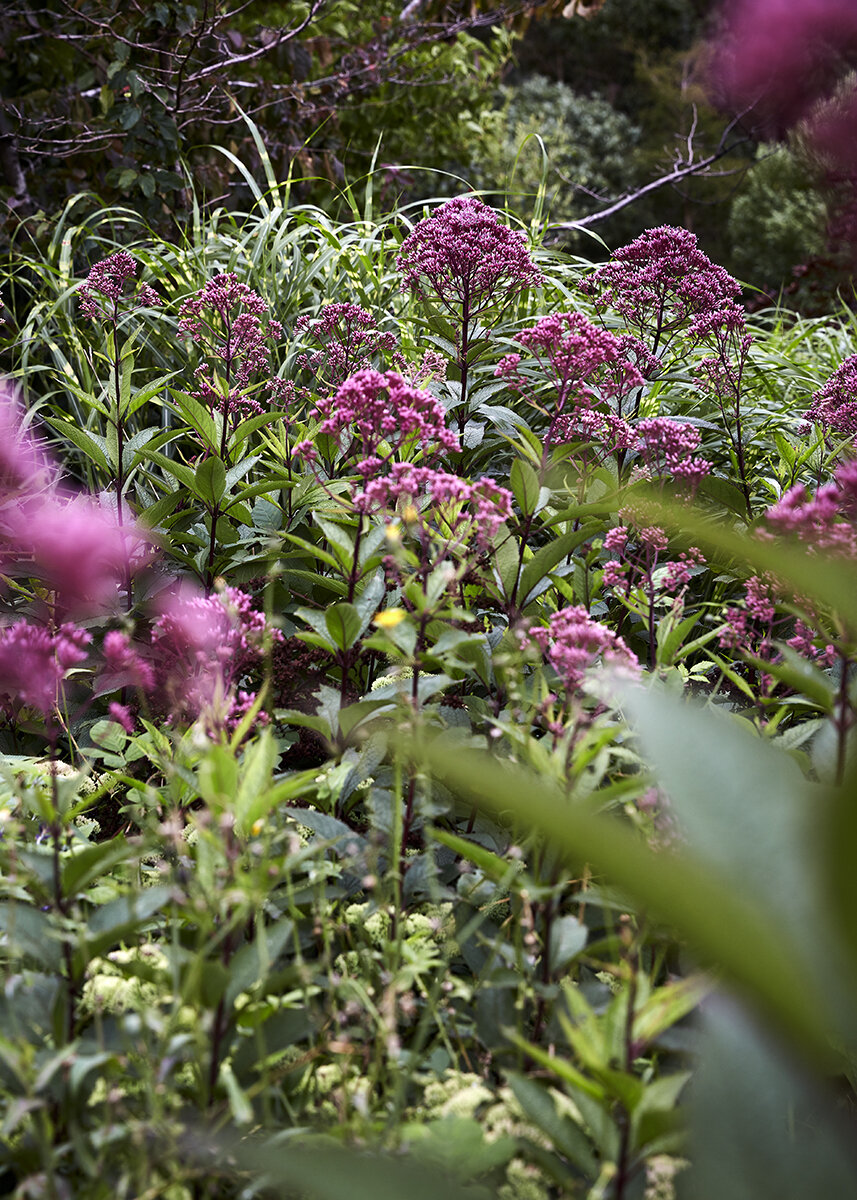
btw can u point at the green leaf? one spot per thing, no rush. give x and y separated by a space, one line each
545 559
759 1126
343 624
124 916
568 938
525 486
211 481
254 779
751 946
567 1137
86 865
29 932
93 445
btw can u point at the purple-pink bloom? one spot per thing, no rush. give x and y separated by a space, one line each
667 449
834 406
225 319
104 290
372 408
582 363
465 257
469 509
662 283
34 662
124 665
781 57
347 340
573 642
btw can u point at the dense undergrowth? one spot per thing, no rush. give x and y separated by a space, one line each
427 689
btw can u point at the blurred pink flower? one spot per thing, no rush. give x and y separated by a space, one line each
79 548
202 646
24 465
34 662
782 56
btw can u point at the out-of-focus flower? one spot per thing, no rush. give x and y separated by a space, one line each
202 646
34 662
75 545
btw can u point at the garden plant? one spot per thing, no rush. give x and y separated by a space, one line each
427 714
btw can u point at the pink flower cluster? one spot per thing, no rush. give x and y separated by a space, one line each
662 282
834 406
583 363
225 319
201 648
374 407
482 506
463 255
71 544
573 642
104 290
667 449
607 430
637 552
823 522
347 341
33 663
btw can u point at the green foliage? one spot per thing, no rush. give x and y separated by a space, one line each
566 149
777 220
447 921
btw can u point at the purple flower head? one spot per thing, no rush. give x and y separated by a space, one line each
34 662
583 363
105 290
573 642
606 431
202 646
468 510
371 408
661 282
124 665
667 449
834 406
815 520
465 257
225 319
347 341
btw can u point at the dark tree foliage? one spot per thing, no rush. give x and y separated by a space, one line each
116 95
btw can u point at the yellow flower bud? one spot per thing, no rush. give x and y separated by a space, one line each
389 618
